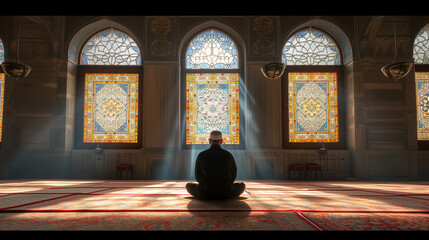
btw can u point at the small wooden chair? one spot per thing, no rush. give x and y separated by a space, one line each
314 168
128 168
300 168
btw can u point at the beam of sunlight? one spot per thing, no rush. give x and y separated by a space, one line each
252 111
36 154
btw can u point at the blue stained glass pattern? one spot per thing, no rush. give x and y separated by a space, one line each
1 52
310 47
110 47
1 87
421 47
213 103
1 101
212 50
111 108
313 108
422 104
115 104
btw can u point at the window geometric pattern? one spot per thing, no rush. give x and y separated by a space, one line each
313 108
1 102
1 52
422 101
212 103
310 47
421 47
1 88
212 50
110 47
111 108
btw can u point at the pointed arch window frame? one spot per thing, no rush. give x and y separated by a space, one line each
120 49
338 69
82 70
420 67
422 49
239 70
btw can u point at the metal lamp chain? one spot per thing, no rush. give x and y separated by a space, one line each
19 29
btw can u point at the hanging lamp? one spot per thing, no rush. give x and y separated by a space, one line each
273 70
396 70
16 69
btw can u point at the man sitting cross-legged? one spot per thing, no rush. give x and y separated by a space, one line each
215 172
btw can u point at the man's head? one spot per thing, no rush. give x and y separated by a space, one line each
215 138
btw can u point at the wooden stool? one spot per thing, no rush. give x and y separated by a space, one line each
124 167
314 168
297 168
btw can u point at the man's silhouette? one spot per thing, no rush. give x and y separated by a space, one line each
215 172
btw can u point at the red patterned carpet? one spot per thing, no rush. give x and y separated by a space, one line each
165 205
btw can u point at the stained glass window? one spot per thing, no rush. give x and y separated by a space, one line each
110 47
421 47
310 47
212 103
1 52
421 56
1 102
212 50
313 108
1 88
422 102
111 108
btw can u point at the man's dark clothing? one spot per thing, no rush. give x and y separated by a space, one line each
215 172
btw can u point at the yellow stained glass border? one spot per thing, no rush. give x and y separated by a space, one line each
422 92
232 79
332 134
131 135
2 82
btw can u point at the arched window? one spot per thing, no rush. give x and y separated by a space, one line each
421 47
2 78
212 50
421 60
310 47
212 84
312 91
109 91
110 47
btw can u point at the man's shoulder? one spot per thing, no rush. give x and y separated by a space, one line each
226 151
204 151
211 150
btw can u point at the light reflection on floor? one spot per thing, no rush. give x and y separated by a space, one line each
66 197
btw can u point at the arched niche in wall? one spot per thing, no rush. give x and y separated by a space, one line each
338 47
78 40
334 31
81 36
223 75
